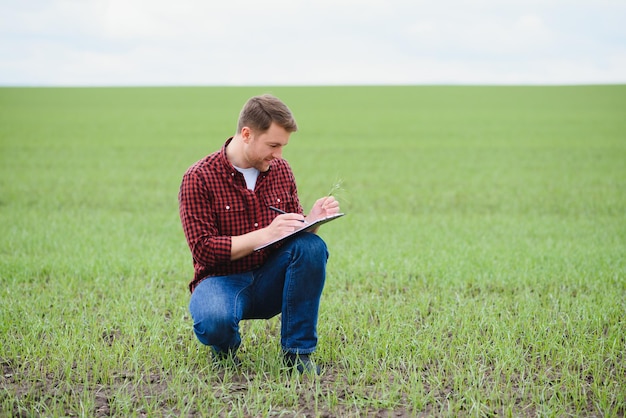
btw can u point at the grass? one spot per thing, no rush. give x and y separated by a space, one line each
480 270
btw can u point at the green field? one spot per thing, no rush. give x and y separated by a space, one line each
480 271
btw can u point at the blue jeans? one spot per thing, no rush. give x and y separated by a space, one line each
290 282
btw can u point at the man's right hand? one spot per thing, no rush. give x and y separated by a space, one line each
284 224
281 226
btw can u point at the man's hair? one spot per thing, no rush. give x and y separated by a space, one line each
260 111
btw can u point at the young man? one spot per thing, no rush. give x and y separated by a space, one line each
225 202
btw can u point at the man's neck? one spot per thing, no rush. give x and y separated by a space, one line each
234 152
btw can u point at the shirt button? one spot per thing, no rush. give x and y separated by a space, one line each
227 207
256 225
278 200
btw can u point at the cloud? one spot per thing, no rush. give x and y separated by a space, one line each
141 42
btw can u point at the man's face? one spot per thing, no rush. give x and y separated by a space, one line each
262 148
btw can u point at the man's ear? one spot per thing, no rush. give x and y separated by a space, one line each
246 134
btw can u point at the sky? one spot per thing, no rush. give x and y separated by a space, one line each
302 42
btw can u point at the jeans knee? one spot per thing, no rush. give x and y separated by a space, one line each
211 328
313 245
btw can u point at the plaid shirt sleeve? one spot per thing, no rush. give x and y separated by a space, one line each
207 246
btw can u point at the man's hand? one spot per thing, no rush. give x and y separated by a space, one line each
323 207
283 225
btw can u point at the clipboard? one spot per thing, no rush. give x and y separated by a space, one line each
305 228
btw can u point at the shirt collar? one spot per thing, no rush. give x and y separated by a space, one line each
223 158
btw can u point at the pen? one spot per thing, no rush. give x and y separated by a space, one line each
282 211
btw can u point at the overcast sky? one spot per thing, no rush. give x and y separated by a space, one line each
301 42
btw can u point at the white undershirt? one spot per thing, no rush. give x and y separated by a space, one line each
250 174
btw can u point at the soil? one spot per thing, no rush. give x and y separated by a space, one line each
50 389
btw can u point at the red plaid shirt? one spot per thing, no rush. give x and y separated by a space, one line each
215 205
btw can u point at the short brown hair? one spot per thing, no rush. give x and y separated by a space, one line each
260 111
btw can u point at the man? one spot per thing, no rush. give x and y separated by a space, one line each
225 202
